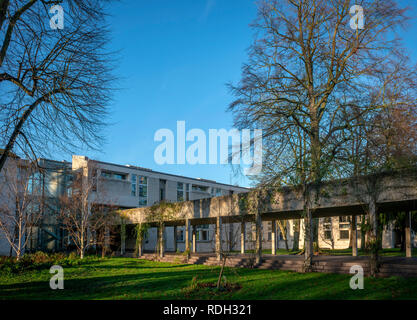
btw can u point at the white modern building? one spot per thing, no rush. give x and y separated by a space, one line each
127 186
121 186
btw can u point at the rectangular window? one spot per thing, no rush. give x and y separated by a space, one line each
119 176
35 183
344 234
94 182
327 227
134 182
204 235
180 235
327 235
187 192
199 188
203 232
180 191
344 226
113 175
143 191
106 174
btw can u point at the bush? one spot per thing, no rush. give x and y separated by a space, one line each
40 260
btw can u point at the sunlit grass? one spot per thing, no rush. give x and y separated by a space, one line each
128 278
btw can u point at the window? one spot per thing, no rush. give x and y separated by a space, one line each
199 188
94 182
134 182
216 192
35 183
119 176
327 228
180 235
187 191
68 180
180 191
204 235
143 191
203 232
344 234
106 174
113 175
162 188
344 226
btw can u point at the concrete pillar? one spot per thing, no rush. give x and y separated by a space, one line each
242 237
161 230
408 252
354 237
194 233
187 236
218 237
274 237
258 242
175 239
308 241
122 239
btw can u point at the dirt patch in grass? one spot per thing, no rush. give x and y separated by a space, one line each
210 289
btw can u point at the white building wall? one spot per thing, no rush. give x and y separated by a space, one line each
171 191
153 191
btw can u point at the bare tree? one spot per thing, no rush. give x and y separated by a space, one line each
55 84
306 71
19 204
85 218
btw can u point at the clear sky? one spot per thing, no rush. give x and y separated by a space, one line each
175 60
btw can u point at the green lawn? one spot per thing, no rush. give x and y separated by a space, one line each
128 278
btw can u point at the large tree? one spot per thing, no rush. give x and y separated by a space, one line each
54 83
310 72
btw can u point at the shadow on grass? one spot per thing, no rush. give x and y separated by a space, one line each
151 280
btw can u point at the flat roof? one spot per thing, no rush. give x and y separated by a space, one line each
167 174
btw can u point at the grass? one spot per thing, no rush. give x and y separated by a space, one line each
128 278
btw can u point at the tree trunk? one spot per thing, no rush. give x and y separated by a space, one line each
221 271
308 242
283 229
373 238
352 229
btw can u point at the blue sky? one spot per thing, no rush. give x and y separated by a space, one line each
175 60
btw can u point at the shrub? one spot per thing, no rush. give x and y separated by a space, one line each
40 260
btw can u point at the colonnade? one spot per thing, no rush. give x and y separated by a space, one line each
191 246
